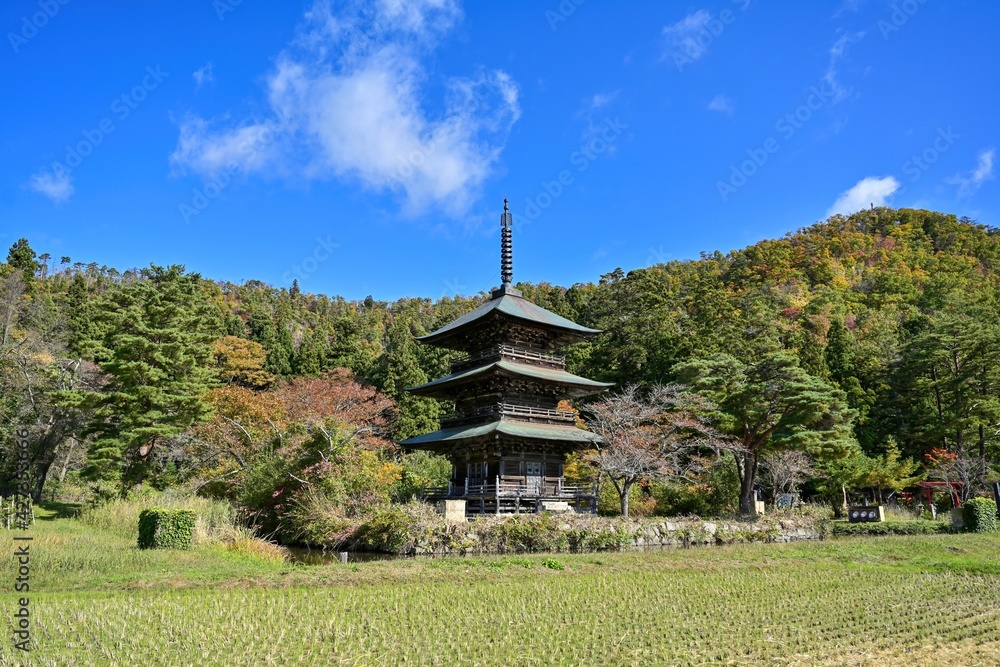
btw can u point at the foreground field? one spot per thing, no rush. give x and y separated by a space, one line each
927 600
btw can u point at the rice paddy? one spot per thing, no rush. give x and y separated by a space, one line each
917 600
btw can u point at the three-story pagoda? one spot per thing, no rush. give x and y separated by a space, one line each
507 439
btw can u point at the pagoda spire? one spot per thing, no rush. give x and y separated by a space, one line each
506 247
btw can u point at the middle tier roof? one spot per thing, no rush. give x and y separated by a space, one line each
574 385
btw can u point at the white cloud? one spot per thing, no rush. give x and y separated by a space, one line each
722 104
970 181
347 99
867 191
682 36
600 100
203 75
58 186
594 112
831 76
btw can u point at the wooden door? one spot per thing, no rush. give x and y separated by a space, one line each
533 476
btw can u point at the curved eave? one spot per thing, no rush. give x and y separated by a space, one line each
578 386
448 437
517 308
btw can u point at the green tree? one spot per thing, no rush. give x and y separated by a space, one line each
400 368
767 406
949 385
154 346
22 257
890 471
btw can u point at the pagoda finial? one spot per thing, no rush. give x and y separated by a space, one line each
506 247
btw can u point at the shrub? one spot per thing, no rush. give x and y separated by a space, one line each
166 529
891 528
121 516
714 493
244 541
397 528
980 515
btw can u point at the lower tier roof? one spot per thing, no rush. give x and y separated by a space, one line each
448 437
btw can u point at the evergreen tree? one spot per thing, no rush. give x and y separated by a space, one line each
22 257
80 318
401 369
154 345
768 406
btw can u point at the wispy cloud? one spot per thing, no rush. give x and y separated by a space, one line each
722 104
867 191
594 112
683 35
203 75
836 53
599 101
969 182
347 99
56 186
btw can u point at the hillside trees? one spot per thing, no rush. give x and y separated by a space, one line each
950 381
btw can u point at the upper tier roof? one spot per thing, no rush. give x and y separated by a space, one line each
510 303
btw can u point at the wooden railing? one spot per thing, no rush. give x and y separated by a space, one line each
501 489
513 352
513 410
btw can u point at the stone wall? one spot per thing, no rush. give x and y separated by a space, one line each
587 533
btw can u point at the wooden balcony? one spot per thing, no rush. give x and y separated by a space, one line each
515 353
518 411
548 489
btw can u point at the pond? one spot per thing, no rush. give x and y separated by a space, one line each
308 556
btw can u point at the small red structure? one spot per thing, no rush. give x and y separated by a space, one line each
952 488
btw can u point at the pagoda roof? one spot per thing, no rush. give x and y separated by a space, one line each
509 302
584 386
520 430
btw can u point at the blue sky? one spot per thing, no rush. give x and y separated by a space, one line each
367 148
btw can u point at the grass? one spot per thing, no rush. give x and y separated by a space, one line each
913 600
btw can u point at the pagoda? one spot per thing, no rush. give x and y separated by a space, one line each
507 438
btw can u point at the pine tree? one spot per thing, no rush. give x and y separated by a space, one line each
154 344
22 257
400 369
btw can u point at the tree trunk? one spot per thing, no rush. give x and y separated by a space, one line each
48 449
748 476
982 455
623 494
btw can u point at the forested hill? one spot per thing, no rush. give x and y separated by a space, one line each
897 307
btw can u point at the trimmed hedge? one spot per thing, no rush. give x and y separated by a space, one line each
890 528
165 529
980 515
